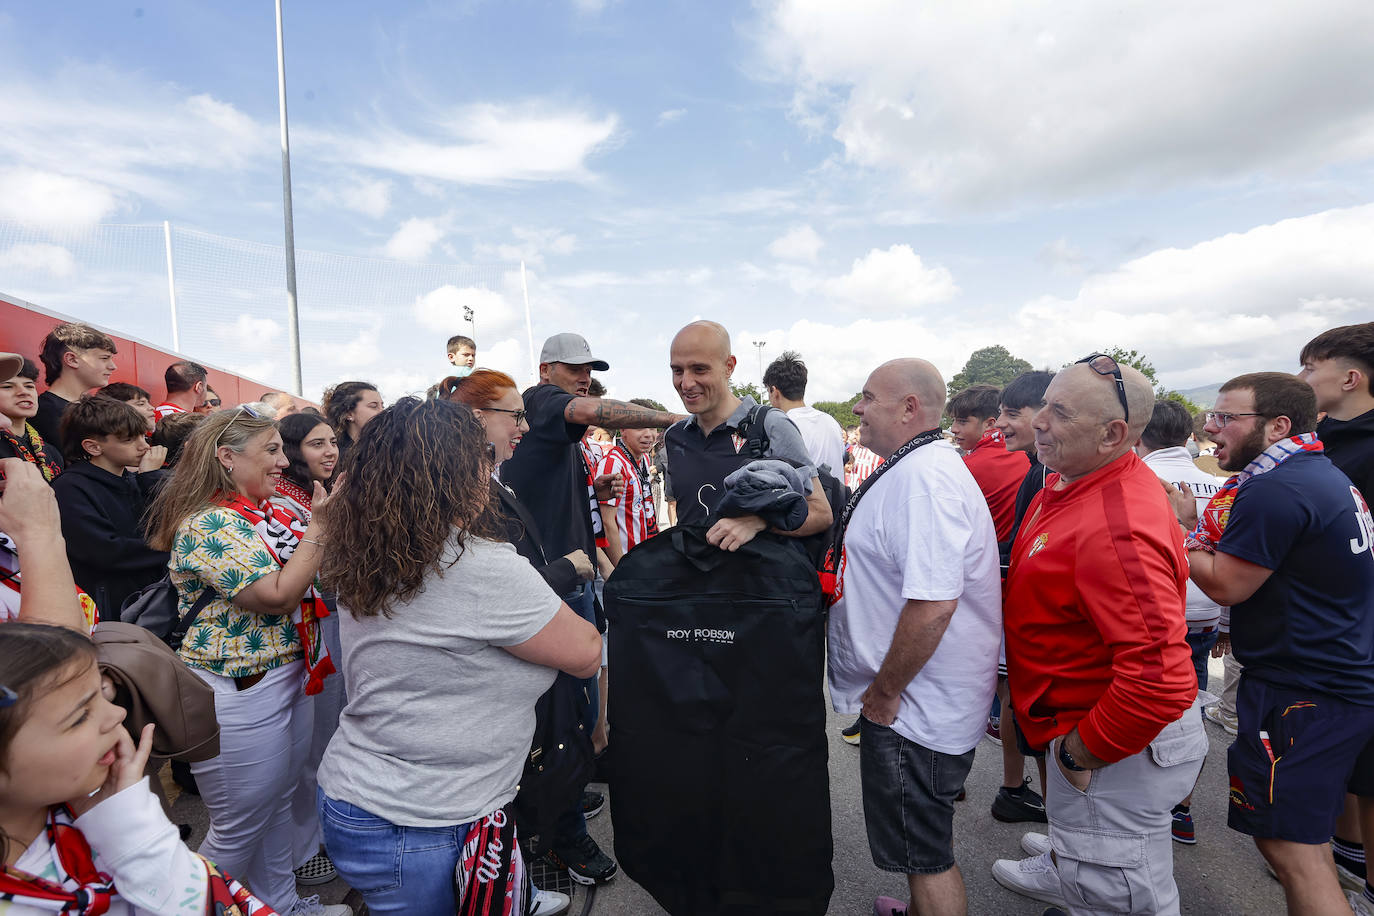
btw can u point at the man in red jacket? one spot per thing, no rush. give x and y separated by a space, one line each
1100 671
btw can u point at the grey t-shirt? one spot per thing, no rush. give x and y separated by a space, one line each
440 717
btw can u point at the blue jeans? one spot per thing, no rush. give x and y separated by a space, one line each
397 869
572 825
1201 644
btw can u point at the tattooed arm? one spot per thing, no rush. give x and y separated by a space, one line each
612 414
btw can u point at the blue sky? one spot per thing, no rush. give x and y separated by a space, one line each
858 181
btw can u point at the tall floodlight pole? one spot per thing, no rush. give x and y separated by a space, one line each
171 286
759 345
529 327
292 318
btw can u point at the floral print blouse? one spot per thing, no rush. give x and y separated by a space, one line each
219 547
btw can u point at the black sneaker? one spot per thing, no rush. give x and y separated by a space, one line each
1014 806
851 734
585 862
592 803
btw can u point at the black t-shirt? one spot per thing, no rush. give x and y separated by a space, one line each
48 420
1310 626
549 474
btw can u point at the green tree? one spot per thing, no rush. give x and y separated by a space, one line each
750 389
989 366
842 411
649 402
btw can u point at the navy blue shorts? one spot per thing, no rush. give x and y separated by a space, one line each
1294 754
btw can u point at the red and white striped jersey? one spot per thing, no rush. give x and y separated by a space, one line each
166 409
864 463
634 514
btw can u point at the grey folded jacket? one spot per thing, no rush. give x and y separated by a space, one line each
771 489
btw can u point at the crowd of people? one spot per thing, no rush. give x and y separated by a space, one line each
396 612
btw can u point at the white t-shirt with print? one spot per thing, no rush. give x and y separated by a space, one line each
923 532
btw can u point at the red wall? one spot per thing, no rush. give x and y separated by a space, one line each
23 327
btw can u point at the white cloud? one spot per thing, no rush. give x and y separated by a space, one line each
250 334
414 240
441 310
1240 302
39 256
482 144
892 280
1063 257
671 115
992 102
369 196
531 246
800 243
120 134
48 199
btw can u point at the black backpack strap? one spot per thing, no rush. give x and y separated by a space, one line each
753 431
178 634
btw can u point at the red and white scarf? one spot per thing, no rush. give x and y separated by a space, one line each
1212 522
95 890
280 532
490 878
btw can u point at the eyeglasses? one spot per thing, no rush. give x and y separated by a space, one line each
243 409
213 402
517 415
1220 420
1103 364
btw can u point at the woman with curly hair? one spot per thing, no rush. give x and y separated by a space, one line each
256 640
449 638
349 406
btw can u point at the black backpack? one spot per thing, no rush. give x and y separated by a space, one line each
558 766
154 607
836 493
720 793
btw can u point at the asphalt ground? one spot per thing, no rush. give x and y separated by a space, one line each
1222 874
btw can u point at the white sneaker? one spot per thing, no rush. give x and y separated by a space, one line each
311 906
1035 877
1037 844
547 903
1214 713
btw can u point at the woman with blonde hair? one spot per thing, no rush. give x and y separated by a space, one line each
256 643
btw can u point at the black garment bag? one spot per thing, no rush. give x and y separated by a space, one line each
720 796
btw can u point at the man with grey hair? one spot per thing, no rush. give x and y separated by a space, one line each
915 632
1100 671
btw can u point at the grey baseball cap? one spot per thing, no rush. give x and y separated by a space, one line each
572 349
10 364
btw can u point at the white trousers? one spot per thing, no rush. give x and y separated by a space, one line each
328 703
264 740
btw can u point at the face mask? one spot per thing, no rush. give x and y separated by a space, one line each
462 371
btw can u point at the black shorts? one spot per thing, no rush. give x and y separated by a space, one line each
1294 755
1021 744
909 793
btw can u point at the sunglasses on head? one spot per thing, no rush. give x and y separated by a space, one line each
243 409
1103 364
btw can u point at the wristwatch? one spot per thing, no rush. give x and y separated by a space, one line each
1067 759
